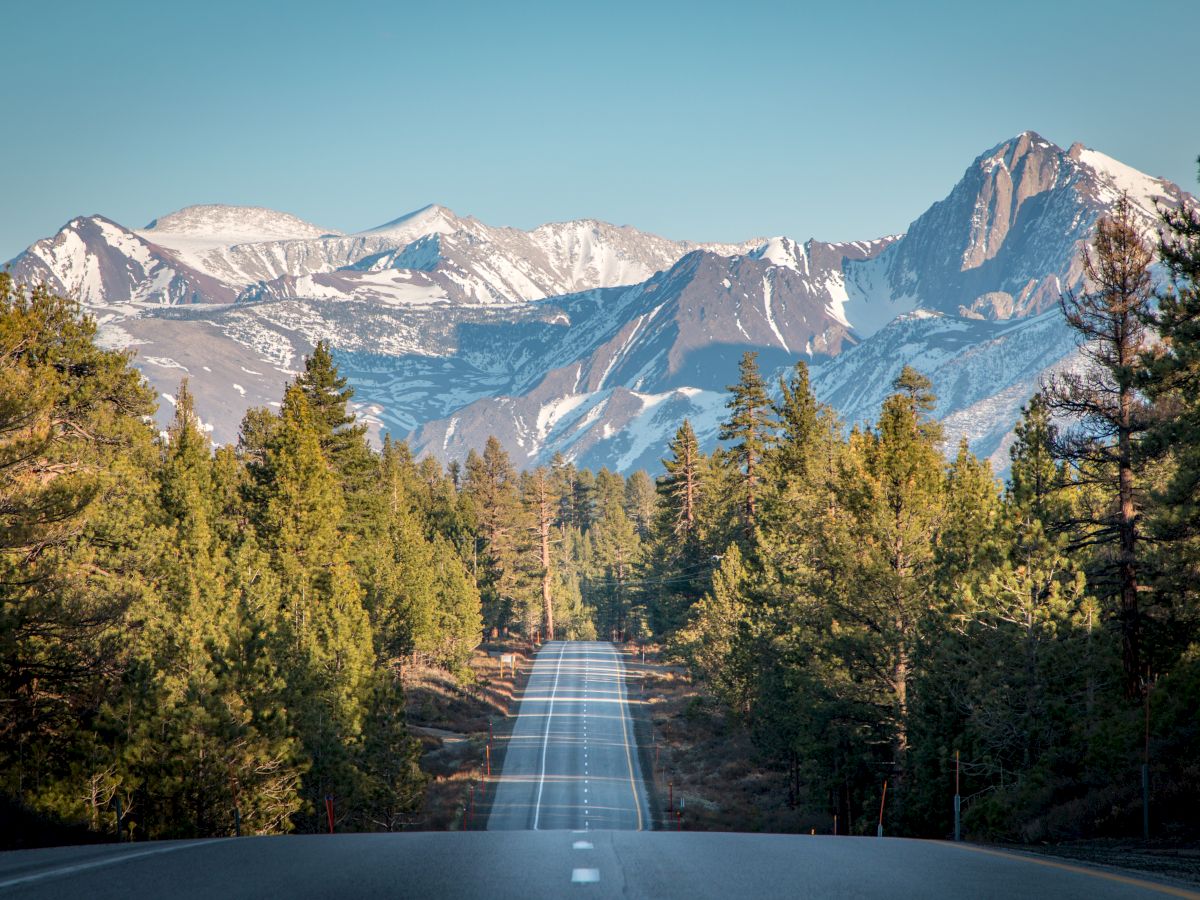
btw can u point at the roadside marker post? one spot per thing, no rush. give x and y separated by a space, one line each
488 752
1146 763
329 811
882 800
237 822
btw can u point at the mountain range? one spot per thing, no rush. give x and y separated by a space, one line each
596 340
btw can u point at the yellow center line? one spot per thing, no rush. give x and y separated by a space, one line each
1171 890
637 804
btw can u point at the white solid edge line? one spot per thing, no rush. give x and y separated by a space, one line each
112 860
625 714
537 808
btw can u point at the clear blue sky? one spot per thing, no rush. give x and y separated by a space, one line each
712 121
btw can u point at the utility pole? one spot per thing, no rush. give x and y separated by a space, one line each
1146 764
957 801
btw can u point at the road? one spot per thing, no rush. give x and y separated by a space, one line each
566 822
572 761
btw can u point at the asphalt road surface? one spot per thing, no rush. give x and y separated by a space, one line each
568 820
572 760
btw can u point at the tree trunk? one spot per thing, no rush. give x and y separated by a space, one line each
1129 613
547 599
900 687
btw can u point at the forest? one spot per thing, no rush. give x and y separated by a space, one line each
200 640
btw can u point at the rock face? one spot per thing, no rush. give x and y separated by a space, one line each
100 262
1007 241
595 340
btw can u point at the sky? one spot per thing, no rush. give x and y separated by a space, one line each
701 120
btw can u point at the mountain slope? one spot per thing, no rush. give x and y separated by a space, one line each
593 339
100 262
1007 240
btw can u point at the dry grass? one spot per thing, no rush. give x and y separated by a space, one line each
451 718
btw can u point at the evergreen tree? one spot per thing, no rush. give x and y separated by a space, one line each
616 552
715 638
325 646
749 428
393 785
641 503
491 484
328 393
540 509
1110 319
882 548
680 487
1171 379
77 543
800 425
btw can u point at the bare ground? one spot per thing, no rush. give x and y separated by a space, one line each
460 724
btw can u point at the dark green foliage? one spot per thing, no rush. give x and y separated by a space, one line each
897 608
749 430
209 641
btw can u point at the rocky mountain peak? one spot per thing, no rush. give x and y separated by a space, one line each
432 218
1010 174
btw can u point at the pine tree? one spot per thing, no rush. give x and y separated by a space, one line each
393 785
641 502
749 427
680 487
325 649
77 541
678 564
328 392
969 544
881 548
800 425
491 486
1110 319
1017 664
540 508
1171 379
616 552
715 637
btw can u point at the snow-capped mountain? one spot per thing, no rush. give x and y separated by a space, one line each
595 340
1007 241
102 263
467 262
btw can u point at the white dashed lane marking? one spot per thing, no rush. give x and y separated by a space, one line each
585 876
582 845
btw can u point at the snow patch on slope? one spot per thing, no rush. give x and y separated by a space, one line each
1118 178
